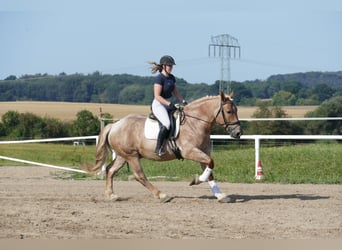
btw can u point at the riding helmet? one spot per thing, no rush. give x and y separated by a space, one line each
167 60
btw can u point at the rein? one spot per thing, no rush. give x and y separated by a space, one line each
197 118
226 123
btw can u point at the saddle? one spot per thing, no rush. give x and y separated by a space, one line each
152 127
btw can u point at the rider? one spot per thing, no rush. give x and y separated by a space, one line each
164 88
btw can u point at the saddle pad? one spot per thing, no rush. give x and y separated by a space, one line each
151 128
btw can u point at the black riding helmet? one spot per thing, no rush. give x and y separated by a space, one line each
167 60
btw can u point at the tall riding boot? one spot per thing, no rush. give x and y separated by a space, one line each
163 133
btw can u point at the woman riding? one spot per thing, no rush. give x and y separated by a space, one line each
164 88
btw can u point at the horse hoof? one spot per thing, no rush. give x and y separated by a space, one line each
113 197
164 198
223 198
195 181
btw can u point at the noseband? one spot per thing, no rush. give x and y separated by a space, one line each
226 123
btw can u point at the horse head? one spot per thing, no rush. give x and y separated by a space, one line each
227 115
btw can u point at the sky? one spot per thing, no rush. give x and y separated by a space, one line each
121 36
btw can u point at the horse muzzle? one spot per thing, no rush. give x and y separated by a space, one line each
235 131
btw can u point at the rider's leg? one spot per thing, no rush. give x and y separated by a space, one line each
163 117
163 134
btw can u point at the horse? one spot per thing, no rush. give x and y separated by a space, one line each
126 139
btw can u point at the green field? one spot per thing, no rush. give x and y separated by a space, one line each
303 163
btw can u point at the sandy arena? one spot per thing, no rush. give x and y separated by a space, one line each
35 204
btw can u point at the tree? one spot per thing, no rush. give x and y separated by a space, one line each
2 129
10 120
292 87
30 126
85 124
272 88
26 125
11 78
54 128
240 92
283 98
322 92
132 94
331 108
271 127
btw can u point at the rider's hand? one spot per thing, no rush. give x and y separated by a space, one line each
172 106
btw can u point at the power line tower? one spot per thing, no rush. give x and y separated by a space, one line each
226 47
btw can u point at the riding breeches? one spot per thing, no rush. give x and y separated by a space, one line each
160 111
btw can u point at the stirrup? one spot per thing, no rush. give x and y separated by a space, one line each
160 152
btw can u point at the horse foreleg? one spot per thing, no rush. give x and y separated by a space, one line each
111 170
207 175
221 197
207 164
141 178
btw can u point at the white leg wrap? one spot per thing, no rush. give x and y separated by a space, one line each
205 175
214 188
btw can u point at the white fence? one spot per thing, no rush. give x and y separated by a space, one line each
256 138
95 137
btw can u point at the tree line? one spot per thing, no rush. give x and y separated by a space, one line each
15 125
312 88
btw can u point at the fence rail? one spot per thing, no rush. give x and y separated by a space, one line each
93 137
258 138
293 119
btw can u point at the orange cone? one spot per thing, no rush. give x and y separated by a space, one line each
260 173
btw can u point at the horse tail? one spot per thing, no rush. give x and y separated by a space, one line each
102 150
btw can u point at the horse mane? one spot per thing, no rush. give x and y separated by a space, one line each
200 100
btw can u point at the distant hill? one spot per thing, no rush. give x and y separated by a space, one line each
310 78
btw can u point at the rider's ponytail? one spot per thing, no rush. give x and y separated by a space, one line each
156 67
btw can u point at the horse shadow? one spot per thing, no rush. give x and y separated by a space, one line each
303 197
237 198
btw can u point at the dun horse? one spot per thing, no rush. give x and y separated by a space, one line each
126 138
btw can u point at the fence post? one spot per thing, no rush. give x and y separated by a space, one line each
257 154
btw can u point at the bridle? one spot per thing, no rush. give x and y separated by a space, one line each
226 123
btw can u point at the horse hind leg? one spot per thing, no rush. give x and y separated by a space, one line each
111 170
141 178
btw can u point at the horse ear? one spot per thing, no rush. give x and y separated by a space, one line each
223 96
231 95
